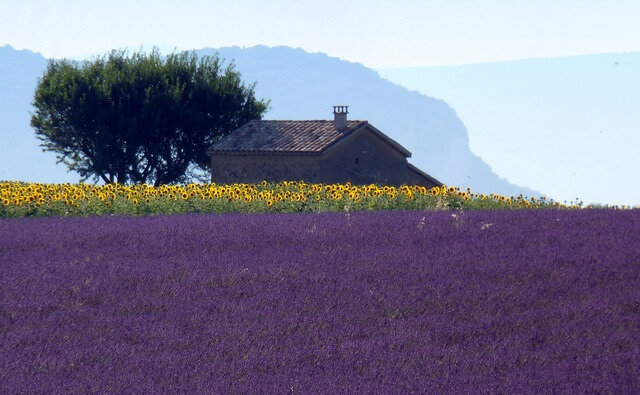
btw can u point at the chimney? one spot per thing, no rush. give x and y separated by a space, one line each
340 117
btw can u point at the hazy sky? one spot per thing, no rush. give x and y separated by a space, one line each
375 33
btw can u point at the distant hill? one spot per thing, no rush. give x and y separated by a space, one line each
568 126
301 85
20 156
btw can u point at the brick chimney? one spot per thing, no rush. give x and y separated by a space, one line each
340 117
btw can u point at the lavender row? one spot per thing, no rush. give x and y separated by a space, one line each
530 300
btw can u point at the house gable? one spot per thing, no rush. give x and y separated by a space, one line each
363 156
368 128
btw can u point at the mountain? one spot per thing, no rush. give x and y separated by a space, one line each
567 126
300 85
21 158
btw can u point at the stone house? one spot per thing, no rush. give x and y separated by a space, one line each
316 151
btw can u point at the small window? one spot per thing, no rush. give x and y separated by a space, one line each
356 161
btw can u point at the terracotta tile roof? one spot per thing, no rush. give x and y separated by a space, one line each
284 136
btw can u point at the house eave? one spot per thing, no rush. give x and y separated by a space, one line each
366 125
423 174
389 140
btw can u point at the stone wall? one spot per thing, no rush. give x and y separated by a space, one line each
252 168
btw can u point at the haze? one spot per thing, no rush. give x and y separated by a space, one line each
378 34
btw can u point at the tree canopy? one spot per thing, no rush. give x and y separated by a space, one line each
140 118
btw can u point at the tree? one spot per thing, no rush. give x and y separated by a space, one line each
140 118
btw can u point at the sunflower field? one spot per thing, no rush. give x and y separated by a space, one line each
20 199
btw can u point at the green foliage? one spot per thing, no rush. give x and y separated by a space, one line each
140 118
20 199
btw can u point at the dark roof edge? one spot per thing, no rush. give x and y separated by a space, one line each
376 132
422 173
302 120
344 138
391 141
255 152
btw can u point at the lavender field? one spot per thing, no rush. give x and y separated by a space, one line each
490 301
